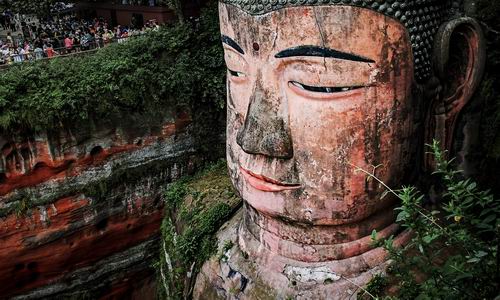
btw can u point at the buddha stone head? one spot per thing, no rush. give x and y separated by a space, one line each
320 88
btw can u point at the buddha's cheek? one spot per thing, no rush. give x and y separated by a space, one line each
327 142
327 138
334 138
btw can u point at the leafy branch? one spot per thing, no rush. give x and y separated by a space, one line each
454 249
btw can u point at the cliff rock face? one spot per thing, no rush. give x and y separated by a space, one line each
81 208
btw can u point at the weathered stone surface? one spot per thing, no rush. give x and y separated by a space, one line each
69 234
81 209
327 111
250 271
122 275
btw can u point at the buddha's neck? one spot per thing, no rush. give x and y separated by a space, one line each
310 243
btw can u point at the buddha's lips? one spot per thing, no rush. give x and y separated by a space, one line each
265 184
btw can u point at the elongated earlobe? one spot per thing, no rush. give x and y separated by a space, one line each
459 60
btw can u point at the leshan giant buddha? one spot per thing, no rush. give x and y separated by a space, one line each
316 89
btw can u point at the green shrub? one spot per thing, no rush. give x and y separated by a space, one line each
453 253
180 66
195 209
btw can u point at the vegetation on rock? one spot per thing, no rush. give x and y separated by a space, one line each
453 253
162 70
195 209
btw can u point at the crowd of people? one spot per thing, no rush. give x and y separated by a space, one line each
7 20
61 35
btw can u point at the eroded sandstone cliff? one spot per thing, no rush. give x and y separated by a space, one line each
81 206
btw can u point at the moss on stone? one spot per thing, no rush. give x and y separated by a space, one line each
100 191
24 205
196 207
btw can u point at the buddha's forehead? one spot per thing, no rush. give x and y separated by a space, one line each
347 28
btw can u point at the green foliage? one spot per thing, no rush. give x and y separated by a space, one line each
196 207
175 193
162 70
228 245
453 253
375 287
23 205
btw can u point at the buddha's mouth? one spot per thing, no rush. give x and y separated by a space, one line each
266 184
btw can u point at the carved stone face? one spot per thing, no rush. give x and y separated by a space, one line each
313 93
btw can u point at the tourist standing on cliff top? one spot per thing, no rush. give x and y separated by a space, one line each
68 44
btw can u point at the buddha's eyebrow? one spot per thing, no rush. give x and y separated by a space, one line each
230 42
321 52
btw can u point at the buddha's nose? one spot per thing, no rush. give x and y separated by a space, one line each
265 130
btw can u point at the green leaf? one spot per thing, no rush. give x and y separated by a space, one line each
403 215
428 239
481 253
490 218
473 260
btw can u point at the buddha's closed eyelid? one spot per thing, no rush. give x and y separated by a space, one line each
236 73
319 76
325 89
236 64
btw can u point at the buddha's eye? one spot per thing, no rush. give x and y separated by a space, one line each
235 73
324 89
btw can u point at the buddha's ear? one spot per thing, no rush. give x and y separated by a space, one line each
459 60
